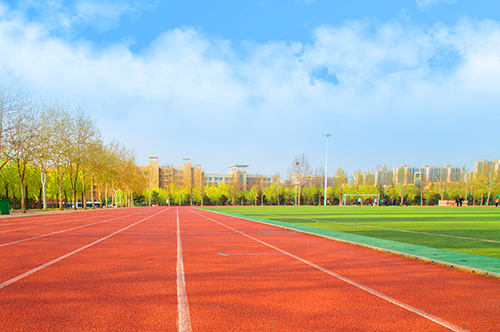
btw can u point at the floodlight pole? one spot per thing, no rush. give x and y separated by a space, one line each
326 166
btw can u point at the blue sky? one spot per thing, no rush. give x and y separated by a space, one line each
259 81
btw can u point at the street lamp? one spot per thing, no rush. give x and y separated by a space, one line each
326 166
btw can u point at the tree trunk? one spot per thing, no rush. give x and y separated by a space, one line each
84 199
60 185
21 171
106 197
43 176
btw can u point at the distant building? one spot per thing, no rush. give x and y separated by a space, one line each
308 180
384 177
164 176
238 174
481 165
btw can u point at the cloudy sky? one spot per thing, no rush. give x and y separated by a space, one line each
258 82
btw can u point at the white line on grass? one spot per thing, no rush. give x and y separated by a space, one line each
393 229
403 305
184 320
30 272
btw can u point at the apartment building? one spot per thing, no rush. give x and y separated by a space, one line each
408 174
238 174
483 165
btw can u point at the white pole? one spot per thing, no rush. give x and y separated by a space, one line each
326 166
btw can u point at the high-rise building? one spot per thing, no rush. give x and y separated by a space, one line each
408 174
384 177
482 165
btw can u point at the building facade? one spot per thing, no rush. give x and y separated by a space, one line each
164 176
482 165
237 174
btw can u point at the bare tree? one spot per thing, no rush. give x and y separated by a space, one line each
298 170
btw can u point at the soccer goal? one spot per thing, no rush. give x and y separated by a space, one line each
355 199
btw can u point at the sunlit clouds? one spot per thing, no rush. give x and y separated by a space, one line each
190 92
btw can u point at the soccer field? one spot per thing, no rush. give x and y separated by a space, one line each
472 230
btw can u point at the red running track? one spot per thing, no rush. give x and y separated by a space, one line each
183 269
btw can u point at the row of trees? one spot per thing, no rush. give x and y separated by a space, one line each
48 149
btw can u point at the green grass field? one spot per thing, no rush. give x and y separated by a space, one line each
473 230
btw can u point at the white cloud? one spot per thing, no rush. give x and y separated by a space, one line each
191 87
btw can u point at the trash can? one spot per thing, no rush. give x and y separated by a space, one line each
4 206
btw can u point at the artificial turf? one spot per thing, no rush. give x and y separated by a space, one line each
472 230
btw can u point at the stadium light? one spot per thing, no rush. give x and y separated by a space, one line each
326 166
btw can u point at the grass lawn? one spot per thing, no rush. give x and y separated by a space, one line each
473 230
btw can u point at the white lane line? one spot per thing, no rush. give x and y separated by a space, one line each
51 224
212 233
30 272
64 230
403 305
184 320
251 253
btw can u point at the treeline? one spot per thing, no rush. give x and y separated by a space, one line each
481 189
49 152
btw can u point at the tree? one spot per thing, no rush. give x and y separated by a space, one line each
23 138
47 147
11 103
83 132
488 177
299 169
339 182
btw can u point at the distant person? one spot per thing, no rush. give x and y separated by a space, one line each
461 201
359 201
497 202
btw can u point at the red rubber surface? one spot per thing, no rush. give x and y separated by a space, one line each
240 276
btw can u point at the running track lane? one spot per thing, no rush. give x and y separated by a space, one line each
239 276
246 276
55 240
123 279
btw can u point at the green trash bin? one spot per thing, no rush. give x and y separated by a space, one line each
4 206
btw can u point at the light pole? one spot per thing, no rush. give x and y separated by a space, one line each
296 183
326 166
